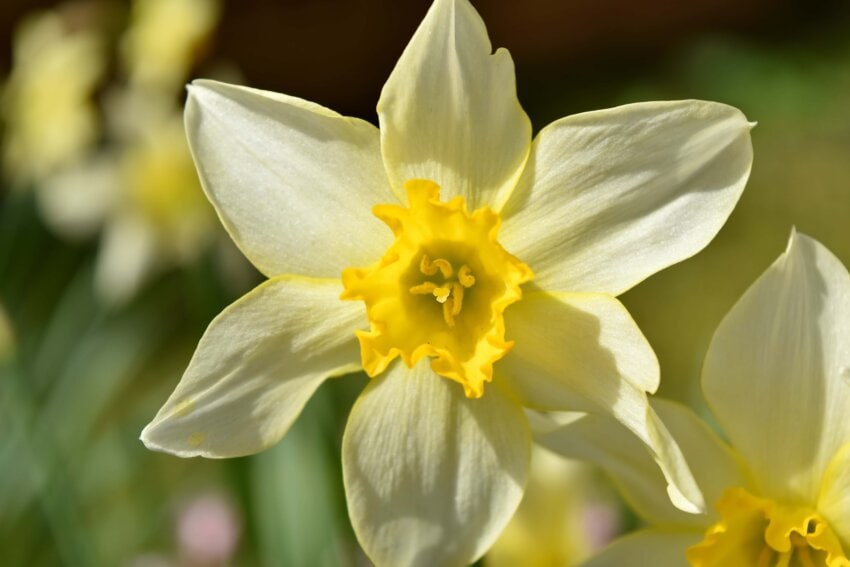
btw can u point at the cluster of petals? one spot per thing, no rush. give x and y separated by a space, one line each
436 450
777 378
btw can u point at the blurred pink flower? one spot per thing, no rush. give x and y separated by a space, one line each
208 530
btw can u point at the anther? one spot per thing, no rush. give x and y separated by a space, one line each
426 288
442 293
465 277
450 293
429 267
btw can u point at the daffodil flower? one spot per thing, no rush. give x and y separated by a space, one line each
139 185
47 103
565 515
161 45
485 285
777 376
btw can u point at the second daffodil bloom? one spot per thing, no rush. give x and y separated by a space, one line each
470 272
777 375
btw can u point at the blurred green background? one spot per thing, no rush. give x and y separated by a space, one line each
82 372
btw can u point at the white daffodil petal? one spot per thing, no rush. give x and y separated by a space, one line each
656 547
590 334
256 366
432 476
585 348
604 441
449 111
294 183
610 197
834 499
776 373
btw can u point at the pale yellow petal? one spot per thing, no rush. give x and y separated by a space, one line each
294 183
610 197
431 476
583 352
590 337
776 371
655 547
834 498
449 110
256 366
604 441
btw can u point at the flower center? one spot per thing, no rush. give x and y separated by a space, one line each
763 533
440 290
449 292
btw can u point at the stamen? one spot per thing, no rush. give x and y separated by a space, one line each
426 288
449 294
431 306
442 293
429 268
448 307
465 277
457 298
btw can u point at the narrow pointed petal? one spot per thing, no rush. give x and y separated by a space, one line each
604 441
834 499
657 547
294 183
610 197
776 371
256 366
449 110
431 476
583 352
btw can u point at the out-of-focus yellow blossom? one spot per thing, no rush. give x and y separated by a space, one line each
160 217
490 274
162 42
777 375
164 188
561 519
139 187
48 109
144 194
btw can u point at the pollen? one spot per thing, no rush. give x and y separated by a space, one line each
439 291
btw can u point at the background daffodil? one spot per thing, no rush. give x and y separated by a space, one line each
49 117
567 513
122 166
494 284
776 378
